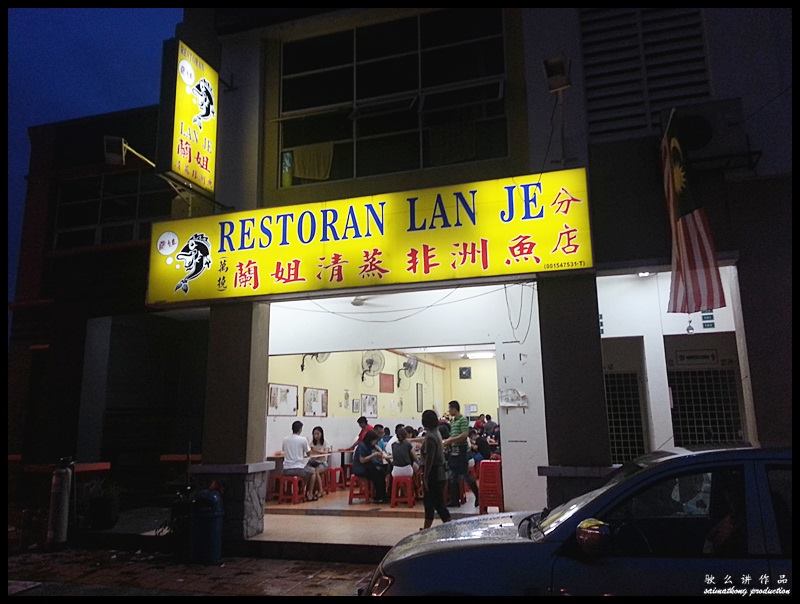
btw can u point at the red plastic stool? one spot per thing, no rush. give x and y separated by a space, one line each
347 472
406 483
291 489
275 486
329 480
337 478
360 488
491 489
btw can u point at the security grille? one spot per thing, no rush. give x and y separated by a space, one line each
624 409
705 407
638 62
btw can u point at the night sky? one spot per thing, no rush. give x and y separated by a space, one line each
70 63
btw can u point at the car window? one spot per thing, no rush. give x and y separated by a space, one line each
780 489
690 514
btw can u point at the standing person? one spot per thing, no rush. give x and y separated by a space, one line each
479 423
295 451
319 465
365 427
457 459
433 474
488 427
368 463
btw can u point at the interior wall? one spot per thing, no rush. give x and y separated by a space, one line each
340 374
480 388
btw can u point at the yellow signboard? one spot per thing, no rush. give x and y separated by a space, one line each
512 226
194 134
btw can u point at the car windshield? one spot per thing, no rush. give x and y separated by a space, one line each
558 515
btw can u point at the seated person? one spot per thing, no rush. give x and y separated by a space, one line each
319 464
368 463
403 460
295 451
479 446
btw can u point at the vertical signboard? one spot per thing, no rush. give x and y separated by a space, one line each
189 112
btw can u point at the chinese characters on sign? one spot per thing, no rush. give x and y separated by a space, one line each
505 227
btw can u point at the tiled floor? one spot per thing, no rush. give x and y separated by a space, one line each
357 530
337 504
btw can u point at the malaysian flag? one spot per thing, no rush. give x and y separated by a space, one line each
696 283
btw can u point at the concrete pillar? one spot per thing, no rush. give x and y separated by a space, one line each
234 425
575 408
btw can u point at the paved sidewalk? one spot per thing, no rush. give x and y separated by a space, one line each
115 572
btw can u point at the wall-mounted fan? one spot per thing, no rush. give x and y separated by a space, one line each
372 363
408 368
321 357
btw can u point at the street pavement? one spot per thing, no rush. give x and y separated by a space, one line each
115 572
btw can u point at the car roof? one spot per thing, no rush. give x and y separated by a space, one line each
712 453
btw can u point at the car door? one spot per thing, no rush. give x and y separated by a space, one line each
775 485
669 540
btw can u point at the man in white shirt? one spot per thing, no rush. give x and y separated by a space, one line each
295 463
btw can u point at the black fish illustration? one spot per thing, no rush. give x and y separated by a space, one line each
196 257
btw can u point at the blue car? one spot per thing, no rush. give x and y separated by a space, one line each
668 523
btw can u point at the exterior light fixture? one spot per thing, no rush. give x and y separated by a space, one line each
644 274
556 69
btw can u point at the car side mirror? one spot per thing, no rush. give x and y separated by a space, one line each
594 537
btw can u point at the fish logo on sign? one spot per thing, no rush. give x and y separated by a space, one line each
204 97
196 257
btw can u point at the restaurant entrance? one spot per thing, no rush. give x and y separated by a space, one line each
387 358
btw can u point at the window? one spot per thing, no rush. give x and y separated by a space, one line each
780 489
625 422
687 515
413 93
110 208
705 407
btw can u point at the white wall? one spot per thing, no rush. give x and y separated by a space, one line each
636 306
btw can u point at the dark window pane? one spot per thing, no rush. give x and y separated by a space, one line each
386 39
144 230
75 239
78 214
780 488
120 184
462 96
492 139
317 53
390 154
156 204
317 129
81 189
341 166
318 89
388 76
150 181
463 62
456 25
118 208
450 142
115 234
388 122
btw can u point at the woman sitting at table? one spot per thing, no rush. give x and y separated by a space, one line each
319 464
368 463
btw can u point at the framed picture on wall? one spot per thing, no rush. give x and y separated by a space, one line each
356 404
282 399
315 402
386 383
369 405
419 398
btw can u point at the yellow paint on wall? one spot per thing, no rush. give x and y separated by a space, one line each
481 388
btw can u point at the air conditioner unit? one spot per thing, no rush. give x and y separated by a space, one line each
713 137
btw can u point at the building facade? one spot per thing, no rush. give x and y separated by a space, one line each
320 106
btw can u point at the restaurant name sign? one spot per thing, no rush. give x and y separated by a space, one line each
506 227
190 108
